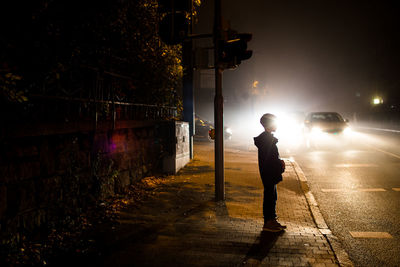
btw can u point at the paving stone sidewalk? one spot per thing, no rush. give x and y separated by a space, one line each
181 225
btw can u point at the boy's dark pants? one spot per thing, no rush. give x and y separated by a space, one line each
269 204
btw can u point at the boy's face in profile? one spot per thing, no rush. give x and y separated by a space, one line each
271 127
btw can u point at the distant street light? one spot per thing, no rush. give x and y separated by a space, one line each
255 84
377 101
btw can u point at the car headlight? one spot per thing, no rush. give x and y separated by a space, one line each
347 130
228 130
316 130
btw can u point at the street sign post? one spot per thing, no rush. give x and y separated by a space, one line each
218 107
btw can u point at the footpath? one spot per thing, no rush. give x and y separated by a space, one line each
180 224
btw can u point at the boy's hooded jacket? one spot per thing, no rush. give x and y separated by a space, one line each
269 162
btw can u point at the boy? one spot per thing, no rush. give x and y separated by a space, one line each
271 169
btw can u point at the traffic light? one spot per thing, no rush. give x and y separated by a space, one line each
234 50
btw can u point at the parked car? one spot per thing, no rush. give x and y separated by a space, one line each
203 128
322 128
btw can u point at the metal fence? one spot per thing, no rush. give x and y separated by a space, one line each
97 98
52 108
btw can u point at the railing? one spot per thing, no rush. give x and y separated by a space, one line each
95 98
63 109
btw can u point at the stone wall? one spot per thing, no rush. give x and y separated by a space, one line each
50 172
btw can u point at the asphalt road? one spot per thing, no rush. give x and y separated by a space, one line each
358 190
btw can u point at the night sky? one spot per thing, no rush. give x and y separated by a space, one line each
312 55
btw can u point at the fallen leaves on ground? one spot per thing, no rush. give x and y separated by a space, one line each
76 237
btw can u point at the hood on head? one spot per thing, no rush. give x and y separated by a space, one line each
264 139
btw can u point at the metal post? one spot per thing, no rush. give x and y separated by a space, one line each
188 96
218 109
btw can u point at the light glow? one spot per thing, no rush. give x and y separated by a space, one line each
289 131
347 131
316 130
377 101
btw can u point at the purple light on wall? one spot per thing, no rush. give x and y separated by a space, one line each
112 146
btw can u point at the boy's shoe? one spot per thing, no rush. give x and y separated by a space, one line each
279 225
273 226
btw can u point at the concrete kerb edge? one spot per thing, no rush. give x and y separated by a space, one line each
340 254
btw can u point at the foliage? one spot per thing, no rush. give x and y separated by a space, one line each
105 174
72 238
8 87
79 238
48 44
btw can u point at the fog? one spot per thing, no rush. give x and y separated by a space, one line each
307 56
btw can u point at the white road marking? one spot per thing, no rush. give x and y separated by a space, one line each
380 129
366 165
370 235
327 190
333 190
396 189
371 190
385 152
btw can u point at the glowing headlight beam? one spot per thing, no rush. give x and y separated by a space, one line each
316 130
347 130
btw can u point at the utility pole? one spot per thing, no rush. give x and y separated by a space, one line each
188 97
218 107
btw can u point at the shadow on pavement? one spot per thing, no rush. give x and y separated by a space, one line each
195 170
291 185
260 249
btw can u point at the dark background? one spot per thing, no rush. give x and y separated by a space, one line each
309 56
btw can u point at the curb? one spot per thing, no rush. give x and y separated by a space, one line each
340 254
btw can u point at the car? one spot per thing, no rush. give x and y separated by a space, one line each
322 128
203 128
